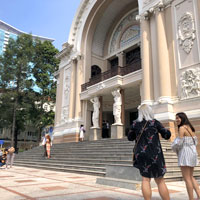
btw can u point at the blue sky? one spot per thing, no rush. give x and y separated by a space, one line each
48 18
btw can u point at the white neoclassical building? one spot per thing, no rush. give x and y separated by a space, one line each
124 53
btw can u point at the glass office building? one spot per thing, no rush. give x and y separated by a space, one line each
7 31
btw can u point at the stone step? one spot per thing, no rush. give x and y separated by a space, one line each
94 157
89 162
62 165
80 171
89 149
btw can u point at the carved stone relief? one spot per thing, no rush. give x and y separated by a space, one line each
186 32
190 83
114 45
66 93
65 114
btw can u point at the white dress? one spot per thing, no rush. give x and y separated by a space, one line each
186 151
81 133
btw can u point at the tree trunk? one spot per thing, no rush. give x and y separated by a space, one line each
13 123
15 145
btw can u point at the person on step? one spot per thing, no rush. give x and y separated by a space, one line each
107 129
185 147
148 156
44 145
48 145
81 133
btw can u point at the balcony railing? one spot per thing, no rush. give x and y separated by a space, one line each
111 73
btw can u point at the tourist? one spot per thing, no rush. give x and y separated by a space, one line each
107 129
81 133
185 147
10 157
104 129
44 145
3 157
148 156
48 145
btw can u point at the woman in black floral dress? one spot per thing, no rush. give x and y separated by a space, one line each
148 157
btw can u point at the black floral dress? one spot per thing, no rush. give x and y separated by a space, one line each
148 157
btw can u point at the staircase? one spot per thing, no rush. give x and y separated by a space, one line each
93 157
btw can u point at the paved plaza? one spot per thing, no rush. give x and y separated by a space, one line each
35 184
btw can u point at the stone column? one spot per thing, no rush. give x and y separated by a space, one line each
121 59
163 58
147 67
72 90
101 112
79 78
58 103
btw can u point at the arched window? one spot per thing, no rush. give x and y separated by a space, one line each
95 70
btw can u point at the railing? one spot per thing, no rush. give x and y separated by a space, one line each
122 71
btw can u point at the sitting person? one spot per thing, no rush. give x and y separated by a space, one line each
3 157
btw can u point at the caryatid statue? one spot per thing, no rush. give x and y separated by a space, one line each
117 106
95 116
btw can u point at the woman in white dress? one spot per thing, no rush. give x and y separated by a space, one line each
185 147
81 132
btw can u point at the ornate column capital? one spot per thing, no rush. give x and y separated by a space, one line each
144 16
120 54
74 59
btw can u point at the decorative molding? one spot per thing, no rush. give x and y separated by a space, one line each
151 6
146 2
67 49
186 32
126 23
190 83
100 86
122 53
79 17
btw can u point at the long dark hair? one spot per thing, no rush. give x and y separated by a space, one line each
184 120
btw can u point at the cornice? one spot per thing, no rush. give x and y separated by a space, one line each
67 48
158 7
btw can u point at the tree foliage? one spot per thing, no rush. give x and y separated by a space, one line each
26 81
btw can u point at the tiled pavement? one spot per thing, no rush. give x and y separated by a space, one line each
20 183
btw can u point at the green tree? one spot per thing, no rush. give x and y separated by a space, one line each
15 79
45 64
27 82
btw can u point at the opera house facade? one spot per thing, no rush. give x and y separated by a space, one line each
123 53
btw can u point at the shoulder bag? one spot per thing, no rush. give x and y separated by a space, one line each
137 140
190 134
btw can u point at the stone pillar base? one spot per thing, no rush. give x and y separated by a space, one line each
117 131
95 134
